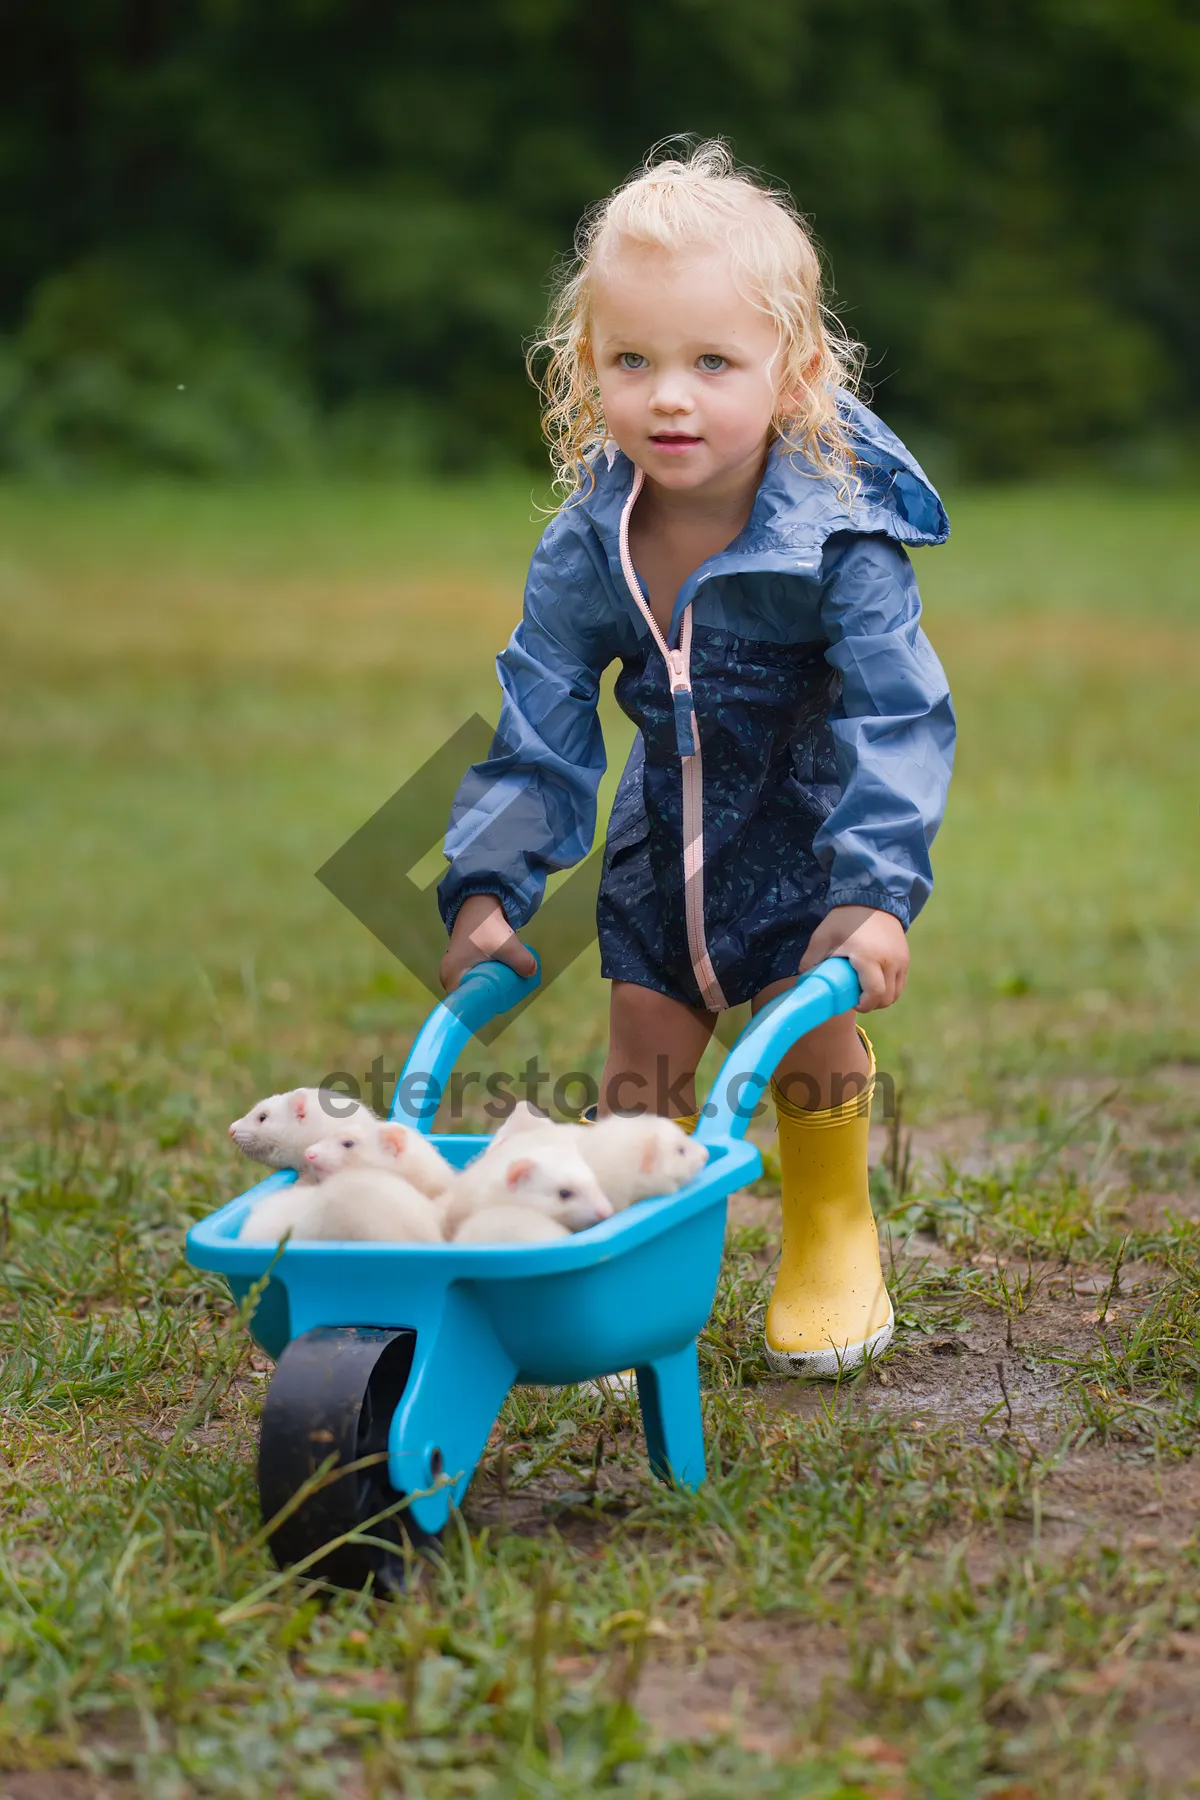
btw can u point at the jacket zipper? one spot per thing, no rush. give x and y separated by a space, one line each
687 737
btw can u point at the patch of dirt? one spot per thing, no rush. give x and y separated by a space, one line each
1152 1509
746 1208
583 1508
1091 1501
1150 1212
751 1679
968 1376
967 1140
1182 1075
1165 1700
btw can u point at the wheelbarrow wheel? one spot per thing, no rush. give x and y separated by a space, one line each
334 1393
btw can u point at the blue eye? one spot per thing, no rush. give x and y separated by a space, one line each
712 363
631 359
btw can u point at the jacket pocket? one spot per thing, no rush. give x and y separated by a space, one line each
815 797
626 831
628 825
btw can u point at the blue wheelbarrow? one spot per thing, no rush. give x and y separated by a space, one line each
393 1360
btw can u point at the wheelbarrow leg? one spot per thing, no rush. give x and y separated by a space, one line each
669 1390
460 1377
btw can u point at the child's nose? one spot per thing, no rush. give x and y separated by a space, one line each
671 396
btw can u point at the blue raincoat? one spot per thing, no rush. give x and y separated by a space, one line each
795 731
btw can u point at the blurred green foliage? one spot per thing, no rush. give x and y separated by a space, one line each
256 233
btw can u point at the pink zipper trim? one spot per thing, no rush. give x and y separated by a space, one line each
679 671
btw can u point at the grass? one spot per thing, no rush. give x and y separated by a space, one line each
973 1573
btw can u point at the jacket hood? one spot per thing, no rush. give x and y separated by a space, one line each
796 508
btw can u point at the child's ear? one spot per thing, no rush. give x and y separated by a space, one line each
299 1105
518 1173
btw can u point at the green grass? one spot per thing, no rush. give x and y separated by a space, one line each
205 692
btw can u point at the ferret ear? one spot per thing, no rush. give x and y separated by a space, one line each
299 1104
393 1138
519 1172
649 1154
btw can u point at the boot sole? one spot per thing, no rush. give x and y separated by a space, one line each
827 1365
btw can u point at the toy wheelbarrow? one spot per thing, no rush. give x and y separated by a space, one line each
395 1359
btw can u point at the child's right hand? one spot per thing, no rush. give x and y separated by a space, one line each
482 934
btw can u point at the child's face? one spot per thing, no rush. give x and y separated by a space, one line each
686 365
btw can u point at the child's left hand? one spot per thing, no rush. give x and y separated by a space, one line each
873 943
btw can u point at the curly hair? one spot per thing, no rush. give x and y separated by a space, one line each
674 203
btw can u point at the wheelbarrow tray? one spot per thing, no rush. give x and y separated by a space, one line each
624 1292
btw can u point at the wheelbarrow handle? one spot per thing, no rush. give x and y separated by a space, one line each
831 988
485 991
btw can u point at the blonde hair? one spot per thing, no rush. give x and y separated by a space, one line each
674 203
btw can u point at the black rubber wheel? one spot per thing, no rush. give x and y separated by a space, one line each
334 1391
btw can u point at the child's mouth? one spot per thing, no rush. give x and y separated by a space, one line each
673 442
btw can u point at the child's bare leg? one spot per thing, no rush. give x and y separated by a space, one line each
827 1066
654 1046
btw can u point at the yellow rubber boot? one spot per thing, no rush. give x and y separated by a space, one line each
830 1309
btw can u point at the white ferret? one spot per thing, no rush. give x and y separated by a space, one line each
638 1159
356 1205
544 1173
278 1130
509 1225
275 1216
369 1143
632 1158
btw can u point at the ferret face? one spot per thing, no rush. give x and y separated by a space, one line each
267 1130
669 1152
363 1146
279 1129
555 1180
638 1159
331 1154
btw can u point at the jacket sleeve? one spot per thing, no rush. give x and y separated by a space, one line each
530 808
893 730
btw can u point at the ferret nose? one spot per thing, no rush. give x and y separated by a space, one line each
604 1208
310 1155
233 1130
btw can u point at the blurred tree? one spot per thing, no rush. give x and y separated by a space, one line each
1026 361
113 372
240 232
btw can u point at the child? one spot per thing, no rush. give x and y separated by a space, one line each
733 531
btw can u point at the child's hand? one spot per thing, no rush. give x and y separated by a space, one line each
482 934
874 945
